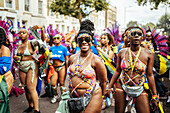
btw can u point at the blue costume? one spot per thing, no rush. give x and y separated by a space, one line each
5 64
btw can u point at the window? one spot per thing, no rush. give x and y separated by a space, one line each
57 26
39 7
27 5
67 29
9 3
63 28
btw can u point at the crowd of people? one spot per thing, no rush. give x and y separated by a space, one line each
96 68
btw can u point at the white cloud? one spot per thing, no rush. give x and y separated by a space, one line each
142 14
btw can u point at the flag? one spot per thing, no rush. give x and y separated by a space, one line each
162 65
111 66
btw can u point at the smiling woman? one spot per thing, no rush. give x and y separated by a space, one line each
84 68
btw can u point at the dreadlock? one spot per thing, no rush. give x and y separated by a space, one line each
86 26
3 37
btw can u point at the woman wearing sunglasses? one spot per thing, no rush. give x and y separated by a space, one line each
84 68
59 58
28 68
134 63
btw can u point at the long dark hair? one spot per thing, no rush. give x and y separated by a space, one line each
110 37
86 26
3 37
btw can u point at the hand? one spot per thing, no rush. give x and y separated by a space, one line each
154 105
98 49
37 27
17 58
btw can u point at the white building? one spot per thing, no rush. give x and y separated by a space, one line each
36 12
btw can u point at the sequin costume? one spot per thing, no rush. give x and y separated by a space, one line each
88 75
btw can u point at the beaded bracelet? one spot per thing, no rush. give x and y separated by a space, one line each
156 98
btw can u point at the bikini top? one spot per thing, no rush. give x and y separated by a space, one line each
88 74
140 69
26 52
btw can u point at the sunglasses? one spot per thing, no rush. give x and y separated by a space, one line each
57 38
87 39
134 33
148 35
21 33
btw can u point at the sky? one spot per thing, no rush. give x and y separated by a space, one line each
128 10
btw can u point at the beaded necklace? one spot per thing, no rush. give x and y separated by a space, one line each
132 64
79 64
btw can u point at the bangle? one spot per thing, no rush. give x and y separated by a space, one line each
42 29
103 96
156 98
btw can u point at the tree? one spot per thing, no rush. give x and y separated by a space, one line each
152 25
154 2
78 8
164 22
132 23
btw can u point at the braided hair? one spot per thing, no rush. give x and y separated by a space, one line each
3 37
86 26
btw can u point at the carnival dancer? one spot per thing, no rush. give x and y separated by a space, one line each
6 78
59 59
133 63
84 68
28 68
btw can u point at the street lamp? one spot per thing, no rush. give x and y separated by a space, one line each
125 16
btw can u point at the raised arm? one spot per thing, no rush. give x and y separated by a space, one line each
42 31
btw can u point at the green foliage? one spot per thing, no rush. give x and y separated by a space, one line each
78 8
164 23
152 25
154 2
132 24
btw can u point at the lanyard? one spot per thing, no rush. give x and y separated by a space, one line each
136 58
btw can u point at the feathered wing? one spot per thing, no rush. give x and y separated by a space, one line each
161 43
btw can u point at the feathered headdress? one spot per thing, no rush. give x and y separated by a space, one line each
160 42
114 31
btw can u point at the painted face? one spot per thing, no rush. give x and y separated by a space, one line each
84 41
148 36
23 34
135 36
104 39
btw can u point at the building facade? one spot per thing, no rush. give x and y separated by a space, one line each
36 12
110 16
